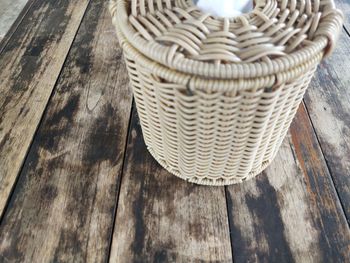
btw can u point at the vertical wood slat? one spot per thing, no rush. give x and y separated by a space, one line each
63 205
30 65
328 103
162 218
290 213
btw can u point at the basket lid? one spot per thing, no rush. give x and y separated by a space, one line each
275 36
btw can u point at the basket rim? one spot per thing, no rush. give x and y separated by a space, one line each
323 44
194 82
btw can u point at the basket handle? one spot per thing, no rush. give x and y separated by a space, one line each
330 27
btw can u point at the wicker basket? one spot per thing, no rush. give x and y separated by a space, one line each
216 96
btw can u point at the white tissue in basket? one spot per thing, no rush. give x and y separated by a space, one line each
225 8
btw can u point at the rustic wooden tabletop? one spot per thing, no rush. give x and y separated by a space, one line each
78 185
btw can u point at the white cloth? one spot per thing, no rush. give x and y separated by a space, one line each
225 8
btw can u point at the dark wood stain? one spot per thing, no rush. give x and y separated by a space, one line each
5 139
64 201
16 24
99 149
327 212
140 203
36 48
268 225
72 170
14 254
330 88
70 243
48 193
31 61
259 232
267 204
59 123
139 235
149 197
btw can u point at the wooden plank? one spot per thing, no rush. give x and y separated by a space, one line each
328 103
6 35
9 11
30 65
162 218
344 6
290 212
63 205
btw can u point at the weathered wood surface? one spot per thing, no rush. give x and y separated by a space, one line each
344 6
62 208
30 64
17 15
328 103
66 205
161 218
290 213
9 11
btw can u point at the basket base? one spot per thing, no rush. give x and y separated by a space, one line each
206 181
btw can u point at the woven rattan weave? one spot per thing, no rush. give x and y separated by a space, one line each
216 96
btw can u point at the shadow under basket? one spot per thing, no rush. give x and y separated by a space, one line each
216 96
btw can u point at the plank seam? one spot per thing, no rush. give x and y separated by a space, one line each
119 183
229 216
10 196
346 30
326 162
15 25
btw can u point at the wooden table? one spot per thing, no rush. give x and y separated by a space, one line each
78 185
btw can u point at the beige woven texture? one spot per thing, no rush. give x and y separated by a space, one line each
216 96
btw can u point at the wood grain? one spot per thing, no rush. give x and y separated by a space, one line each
328 103
290 213
9 11
30 65
344 6
63 205
15 22
161 218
